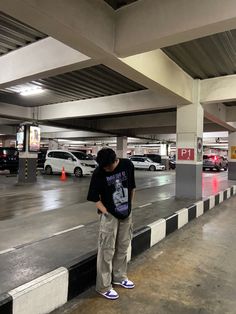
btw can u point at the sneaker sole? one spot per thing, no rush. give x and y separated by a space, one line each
126 287
107 297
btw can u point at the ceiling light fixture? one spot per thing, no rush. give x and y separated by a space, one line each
31 91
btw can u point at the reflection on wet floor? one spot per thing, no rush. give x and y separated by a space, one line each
49 193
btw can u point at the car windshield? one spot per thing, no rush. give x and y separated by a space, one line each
148 159
82 156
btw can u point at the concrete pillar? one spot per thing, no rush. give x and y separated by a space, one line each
232 156
121 147
164 155
28 159
189 148
53 144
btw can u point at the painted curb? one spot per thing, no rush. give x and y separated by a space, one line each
52 290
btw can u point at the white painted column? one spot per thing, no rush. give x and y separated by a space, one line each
53 144
232 156
189 148
121 148
164 155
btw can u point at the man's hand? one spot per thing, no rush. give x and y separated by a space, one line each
101 207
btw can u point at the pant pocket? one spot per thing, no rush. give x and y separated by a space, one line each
106 240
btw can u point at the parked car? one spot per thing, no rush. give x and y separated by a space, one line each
71 161
146 163
9 159
214 162
154 157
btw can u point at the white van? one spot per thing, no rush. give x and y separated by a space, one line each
71 161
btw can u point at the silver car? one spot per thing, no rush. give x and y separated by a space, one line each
146 163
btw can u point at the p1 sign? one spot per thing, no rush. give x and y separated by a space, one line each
185 153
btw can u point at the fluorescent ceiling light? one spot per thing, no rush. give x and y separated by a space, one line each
31 91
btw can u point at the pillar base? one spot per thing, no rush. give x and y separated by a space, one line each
188 181
27 170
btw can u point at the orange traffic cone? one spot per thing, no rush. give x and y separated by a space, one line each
63 174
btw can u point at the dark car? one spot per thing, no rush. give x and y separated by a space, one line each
9 159
214 162
41 158
172 162
154 157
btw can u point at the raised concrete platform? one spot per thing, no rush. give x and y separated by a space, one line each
64 275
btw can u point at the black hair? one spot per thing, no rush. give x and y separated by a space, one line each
106 157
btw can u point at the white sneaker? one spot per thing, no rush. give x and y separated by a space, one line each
128 284
110 294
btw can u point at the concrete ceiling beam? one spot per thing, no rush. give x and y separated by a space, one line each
230 114
216 113
44 58
16 112
138 121
73 134
119 104
7 130
87 26
162 73
219 89
147 25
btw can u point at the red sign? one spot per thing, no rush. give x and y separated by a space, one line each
185 153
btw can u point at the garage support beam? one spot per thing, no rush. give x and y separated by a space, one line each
16 112
72 134
43 58
123 103
87 26
219 89
170 22
138 121
163 73
217 113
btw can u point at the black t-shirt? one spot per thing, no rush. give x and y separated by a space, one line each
114 188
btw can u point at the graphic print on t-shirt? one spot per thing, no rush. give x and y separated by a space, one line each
120 195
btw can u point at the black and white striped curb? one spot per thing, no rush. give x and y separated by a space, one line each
52 290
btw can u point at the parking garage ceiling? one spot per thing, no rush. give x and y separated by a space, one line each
207 57
91 82
15 34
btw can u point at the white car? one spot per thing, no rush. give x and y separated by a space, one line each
146 163
70 160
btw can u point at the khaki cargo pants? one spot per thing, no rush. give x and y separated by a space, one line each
113 242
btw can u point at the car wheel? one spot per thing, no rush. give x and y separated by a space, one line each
48 170
225 168
78 172
204 169
152 168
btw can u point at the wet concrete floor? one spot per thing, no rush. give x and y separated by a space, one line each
32 213
191 271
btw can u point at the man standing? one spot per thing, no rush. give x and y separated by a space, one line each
112 189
